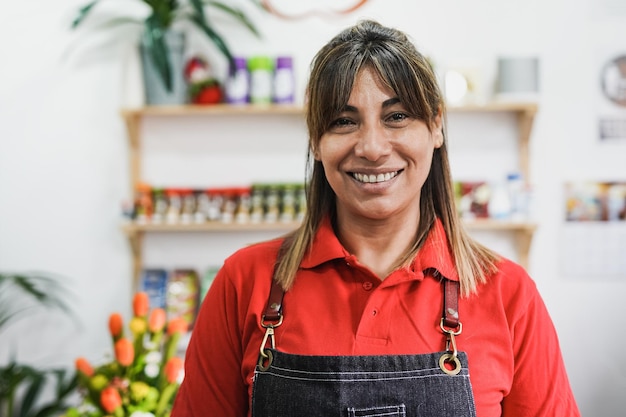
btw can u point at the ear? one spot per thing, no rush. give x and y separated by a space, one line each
316 153
437 130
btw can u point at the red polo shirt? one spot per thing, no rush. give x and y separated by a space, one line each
337 306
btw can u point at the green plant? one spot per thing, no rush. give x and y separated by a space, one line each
22 386
163 14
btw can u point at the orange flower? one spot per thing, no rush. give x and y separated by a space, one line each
172 369
110 399
124 352
141 304
157 320
82 365
177 325
115 324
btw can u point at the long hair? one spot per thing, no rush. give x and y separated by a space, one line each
409 74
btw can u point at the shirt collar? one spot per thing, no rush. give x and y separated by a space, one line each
434 254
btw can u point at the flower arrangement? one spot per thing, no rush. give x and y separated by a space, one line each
145 374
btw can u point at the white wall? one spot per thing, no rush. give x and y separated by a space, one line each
64 168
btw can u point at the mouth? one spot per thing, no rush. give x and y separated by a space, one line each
374 178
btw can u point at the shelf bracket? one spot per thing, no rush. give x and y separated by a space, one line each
135 238
525 121
133 127
524 238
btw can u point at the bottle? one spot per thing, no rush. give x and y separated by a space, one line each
499 203
518 196
261 75
284 82
238 82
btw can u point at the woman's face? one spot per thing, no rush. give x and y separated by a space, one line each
375 156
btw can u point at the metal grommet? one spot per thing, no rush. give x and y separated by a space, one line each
268 359
449 358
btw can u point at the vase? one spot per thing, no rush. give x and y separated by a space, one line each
156 91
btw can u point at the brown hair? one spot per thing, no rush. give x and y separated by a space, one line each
409 74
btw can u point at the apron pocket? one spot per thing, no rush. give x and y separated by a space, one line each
388 411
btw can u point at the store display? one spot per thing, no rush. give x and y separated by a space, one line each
258 203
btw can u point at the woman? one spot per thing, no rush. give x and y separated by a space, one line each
380 303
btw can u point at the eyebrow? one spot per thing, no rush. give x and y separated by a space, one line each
386 103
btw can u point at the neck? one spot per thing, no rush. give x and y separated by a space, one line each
378 244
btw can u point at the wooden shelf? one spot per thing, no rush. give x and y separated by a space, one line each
207 227
133 117
221 109
135 231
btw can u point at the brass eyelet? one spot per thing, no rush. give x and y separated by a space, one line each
449 358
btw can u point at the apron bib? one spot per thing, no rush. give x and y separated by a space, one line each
428 385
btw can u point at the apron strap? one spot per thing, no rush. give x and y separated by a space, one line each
450 303
274 308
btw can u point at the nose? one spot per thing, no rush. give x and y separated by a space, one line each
373 142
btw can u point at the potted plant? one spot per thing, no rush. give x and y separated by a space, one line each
162 44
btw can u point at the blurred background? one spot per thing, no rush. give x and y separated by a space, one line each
66 173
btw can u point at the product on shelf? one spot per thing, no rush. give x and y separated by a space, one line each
284 81
154 283
183 295
143 206
473 199
258 203
261 70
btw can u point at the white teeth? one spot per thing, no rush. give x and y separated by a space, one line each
374 178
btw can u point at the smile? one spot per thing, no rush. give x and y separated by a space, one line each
371 178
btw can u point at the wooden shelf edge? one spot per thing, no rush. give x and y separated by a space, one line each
131 228
505 225
529 108
213 109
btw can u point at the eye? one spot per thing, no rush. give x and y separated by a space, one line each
397 117
341 123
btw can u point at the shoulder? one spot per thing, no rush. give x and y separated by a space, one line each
512 286
251 261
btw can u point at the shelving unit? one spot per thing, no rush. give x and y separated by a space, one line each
522 231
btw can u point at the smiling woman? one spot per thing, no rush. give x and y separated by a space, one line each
386 297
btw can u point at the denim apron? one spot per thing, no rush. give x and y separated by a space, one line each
434 384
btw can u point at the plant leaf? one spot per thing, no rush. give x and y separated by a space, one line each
237 14
33 390
82 13
22 293
215 37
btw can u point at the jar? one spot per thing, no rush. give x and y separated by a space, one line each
284 81
238 82
261 76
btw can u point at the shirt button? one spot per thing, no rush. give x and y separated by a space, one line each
367 286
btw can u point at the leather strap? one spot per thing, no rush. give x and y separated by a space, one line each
450 303
274 308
